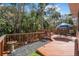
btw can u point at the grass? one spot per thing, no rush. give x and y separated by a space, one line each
35 54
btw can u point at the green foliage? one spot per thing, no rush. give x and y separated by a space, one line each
35 54
4 27
14 19
46 25
70 21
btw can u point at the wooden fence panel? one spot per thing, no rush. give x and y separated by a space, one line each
25 38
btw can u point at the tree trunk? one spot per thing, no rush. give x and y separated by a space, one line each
18 20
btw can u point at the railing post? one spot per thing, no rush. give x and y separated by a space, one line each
0 49
77 33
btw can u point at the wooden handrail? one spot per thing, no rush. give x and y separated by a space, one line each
23 38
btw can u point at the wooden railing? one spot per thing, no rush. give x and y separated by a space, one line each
25 38
29 37
22 39
77 35
2 44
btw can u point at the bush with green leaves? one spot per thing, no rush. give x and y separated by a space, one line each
5 27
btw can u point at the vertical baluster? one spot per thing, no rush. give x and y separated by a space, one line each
22 39
32 37
9 38
12 38
26 40
29 37
6 39
18 38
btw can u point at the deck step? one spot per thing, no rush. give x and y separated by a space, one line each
5 53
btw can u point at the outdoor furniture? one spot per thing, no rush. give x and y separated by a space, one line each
12 44
64 28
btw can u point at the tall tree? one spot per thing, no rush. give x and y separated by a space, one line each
41 12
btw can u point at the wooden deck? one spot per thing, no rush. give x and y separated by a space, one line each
58 48
26 38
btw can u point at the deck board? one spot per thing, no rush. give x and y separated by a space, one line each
58 48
